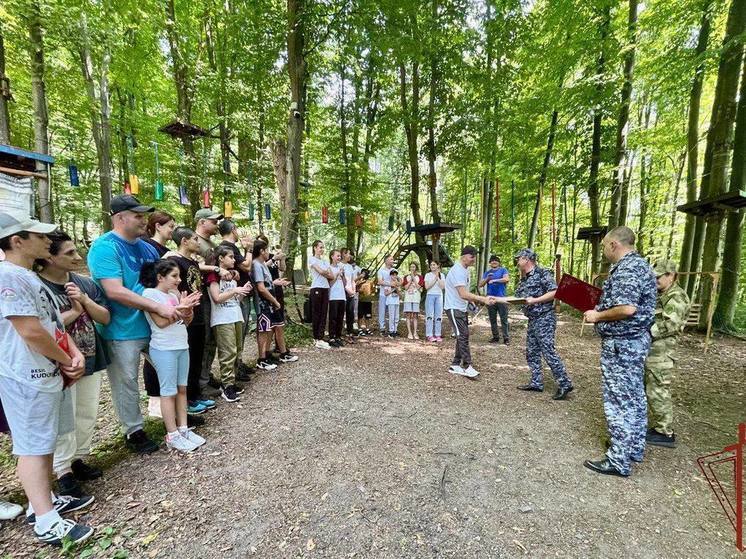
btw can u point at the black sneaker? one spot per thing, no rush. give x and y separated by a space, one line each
195 421
244 369
229 394
242 375
495 341
70 487
659 439
239 388
288 357
64 504
335 343
506 341
65 531
85 472
140 443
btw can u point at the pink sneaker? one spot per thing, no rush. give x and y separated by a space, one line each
430 339
438 339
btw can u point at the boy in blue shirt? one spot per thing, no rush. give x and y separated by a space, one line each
496 279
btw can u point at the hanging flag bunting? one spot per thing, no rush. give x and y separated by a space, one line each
72 169
158 187
391 222
158 190
324 215
342 216
134 185
251 211
358 220
267 211
206 200
183 196
228 209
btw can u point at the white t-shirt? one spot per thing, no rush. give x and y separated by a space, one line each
435 289
227 312
384 278
412 295
317 280
457 276
172 337
350 277
22 294
337 288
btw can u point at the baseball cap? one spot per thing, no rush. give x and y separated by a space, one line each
207 213
494 258
127 202
663 267
15 222
525 253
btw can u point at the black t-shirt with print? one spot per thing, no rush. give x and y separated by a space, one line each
191 282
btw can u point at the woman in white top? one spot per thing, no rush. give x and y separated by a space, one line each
412 289
319 296
169 350
337 299
435 282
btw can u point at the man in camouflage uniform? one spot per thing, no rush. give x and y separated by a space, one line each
670 316
538 287
623 318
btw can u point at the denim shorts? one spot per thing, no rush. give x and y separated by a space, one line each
33 417
172 368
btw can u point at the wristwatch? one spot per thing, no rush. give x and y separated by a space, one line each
216 269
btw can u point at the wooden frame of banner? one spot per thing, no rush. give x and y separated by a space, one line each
695 310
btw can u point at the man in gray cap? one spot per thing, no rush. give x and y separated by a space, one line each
115 261
206 225
31 374
538 287
671 311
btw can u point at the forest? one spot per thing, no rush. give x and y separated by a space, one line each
528 122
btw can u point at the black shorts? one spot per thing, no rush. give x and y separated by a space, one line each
269 318
365 309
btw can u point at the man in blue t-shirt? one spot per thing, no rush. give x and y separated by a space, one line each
115 260
496 279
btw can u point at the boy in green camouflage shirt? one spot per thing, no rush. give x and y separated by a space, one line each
671 311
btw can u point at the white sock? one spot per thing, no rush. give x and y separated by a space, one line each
172 435
45 521
183 429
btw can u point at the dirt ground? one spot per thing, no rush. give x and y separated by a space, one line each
375 451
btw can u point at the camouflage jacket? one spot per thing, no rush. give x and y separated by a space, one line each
671 311
536 283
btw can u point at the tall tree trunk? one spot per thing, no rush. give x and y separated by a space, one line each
298 72
731 266
618 184
4 95
343 137
99 114
674 211
719 143
432 178
41 118
543 179
279 164
692 148
593 188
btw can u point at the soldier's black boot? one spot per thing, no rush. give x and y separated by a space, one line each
562 393
659 439
530 388
603 467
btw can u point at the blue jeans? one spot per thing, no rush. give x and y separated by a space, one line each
433 315
172 367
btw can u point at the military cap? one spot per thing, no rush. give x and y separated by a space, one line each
525 253
663 267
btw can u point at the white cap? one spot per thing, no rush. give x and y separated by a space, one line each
15 222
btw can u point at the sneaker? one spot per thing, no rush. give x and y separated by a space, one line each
265 365
209 404
8 511
64 504
70 487
506 341
288 357
154 407
238 388
456 370
229 394
471 372
193 437
430 339
334 343
85 472
195 421
243 376
195 408
65 531
320 344
659 439
140 443
244 369
180 443
438 339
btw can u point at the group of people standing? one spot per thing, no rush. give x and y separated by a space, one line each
180 307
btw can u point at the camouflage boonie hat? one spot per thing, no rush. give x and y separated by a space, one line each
525 253
663 267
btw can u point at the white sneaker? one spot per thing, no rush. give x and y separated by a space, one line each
180 444
470 372
8 511
193 437
154 407
321 344
456 370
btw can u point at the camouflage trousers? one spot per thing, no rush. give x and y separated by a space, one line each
658 389
540 343
622 370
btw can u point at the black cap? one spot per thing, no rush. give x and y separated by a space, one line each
127 202
494 258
